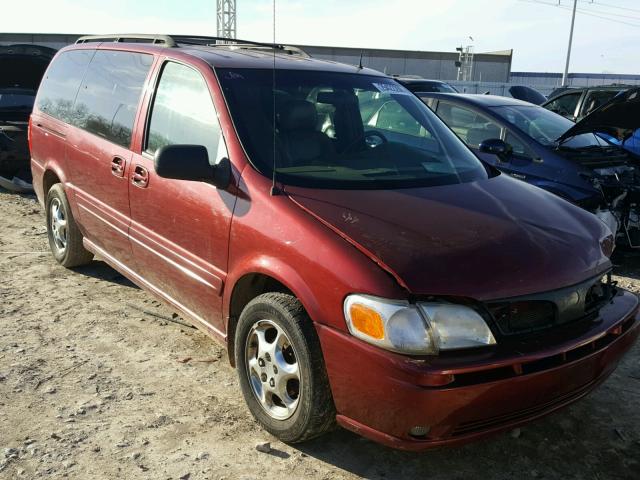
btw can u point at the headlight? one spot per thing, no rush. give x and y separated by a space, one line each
422 329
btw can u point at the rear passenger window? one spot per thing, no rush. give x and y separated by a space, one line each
59 87
183 112
110 93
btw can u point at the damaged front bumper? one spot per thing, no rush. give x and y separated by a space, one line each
454 399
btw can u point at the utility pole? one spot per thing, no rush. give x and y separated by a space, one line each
566 67
226 18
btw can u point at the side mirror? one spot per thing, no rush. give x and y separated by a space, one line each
495 146
191 162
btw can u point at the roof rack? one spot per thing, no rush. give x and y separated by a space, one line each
237 42
175 40
165 40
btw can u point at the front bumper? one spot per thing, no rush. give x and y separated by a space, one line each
382 395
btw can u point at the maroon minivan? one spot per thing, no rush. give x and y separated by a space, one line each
361 265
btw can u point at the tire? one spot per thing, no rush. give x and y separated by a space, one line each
306 409
65 239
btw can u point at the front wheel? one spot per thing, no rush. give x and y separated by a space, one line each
281 369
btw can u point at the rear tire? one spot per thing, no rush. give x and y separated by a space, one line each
276 346
65 239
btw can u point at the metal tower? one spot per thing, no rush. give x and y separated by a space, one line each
465 63
227 18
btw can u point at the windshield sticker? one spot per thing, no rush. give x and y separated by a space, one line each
392 88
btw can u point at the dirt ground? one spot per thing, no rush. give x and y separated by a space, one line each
94 385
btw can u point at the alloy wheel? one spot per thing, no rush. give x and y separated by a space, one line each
272 369
58 224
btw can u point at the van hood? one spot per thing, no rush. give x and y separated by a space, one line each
486 240
527 94
23 66
619 117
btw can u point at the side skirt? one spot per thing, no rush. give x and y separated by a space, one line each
197 321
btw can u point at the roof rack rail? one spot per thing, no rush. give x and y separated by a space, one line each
174 40
223 41
164 40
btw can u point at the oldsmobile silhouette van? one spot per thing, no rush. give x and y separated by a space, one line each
362 270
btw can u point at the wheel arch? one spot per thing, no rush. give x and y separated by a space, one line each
49 179
259 276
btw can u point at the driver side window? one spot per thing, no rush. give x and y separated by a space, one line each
518 147
565 105
183 112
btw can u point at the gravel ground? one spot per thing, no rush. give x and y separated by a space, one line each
93 384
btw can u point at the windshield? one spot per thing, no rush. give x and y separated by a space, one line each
16 99
336 130
544 126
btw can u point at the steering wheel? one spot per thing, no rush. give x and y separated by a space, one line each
374 139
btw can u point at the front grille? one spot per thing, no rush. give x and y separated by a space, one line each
596 296
540 312
541 364
523 317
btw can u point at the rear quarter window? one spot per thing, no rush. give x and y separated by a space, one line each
110 93
60 85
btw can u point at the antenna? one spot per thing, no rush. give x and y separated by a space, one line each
360 67
274 189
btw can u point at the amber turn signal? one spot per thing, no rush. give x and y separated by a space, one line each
366 320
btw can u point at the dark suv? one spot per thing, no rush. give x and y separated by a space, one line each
362 270
21 69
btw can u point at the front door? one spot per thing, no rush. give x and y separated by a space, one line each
180 229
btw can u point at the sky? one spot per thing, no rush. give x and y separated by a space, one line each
605 39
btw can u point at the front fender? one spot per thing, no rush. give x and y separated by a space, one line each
279 270
273 236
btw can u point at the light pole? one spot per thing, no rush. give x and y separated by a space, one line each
566 66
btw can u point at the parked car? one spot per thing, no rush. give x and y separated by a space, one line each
422 85
21 69
380 278
547 150
577 103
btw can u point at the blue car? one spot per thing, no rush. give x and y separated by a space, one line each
573 160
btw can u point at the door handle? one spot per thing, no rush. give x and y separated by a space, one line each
140 177
117 166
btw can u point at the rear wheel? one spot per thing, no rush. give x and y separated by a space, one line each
65 239
281 369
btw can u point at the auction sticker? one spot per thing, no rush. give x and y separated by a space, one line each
392 88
